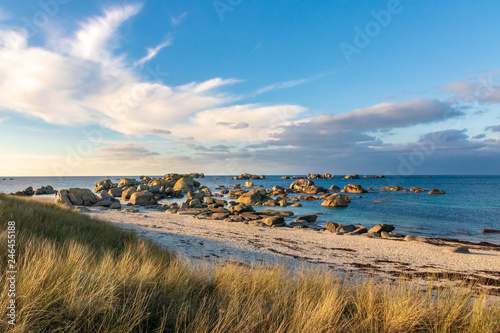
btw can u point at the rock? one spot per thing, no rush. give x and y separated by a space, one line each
102 185
105 200
334 188
301 184
77 196
249 184
385 235
353 176
382 228
491 231
126 194
82 209
272 212
195 195
128 182
45 190
417 189
206 191
354 188
336 201
458 249
360 230
296 205
247 176
373 234
116 192
131 210
184 184
219 216
393 189
307 197
116 205
277 221
241 208
27 192
331 226
434 191
257 197
346 228
144 187
414 238
194 203
143 198
250 216
307 218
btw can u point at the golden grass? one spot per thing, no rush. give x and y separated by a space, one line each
78 274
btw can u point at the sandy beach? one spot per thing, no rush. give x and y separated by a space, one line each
201 239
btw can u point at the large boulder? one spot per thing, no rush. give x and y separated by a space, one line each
106 200
27 192
128 182
45 190
184 184
126 194
353 188
77 196
301 184
257 197
277 221
336 201
115 192
379 228
143 198
103 185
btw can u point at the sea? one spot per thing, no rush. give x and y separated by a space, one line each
471 203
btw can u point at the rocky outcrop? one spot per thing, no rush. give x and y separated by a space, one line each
306 186
247 176
353 188
115 192
258 197
128 182
143 198
353 176
77 196
45 190
27 192
393 188
106 200
334 188
127 193
435 191
103 185
336 200
185 184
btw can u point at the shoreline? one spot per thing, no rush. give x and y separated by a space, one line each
352 255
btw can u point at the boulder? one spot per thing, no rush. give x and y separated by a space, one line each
346 228
206 191
435 191
382 228
360 230
195 195
417 189
45 190
115 192
241 208
126 194
27 192
143 198
306 218
354 188
415 238
334 188
184 184
128 182
116 205
144 187
106 200
257 197
353 176
249 184
102 185
301 184
277 221
331 226
77 196
336 201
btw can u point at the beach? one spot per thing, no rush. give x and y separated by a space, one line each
209 240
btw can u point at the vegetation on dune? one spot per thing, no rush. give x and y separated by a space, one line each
78 274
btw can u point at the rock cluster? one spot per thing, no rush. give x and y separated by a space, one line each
353 188
320 176
335 200
247 176
307 186
45 190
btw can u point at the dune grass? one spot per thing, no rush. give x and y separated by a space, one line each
78 274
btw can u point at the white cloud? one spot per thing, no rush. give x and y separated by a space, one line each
152 53
81 81
177 20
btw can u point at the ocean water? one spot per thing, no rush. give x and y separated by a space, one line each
471 203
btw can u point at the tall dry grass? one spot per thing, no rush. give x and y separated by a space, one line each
78 274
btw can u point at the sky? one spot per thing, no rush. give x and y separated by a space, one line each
230 86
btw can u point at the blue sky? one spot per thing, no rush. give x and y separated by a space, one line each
225 87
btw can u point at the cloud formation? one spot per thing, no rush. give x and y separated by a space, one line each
81 81
486 89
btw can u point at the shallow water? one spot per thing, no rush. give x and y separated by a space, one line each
471 203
